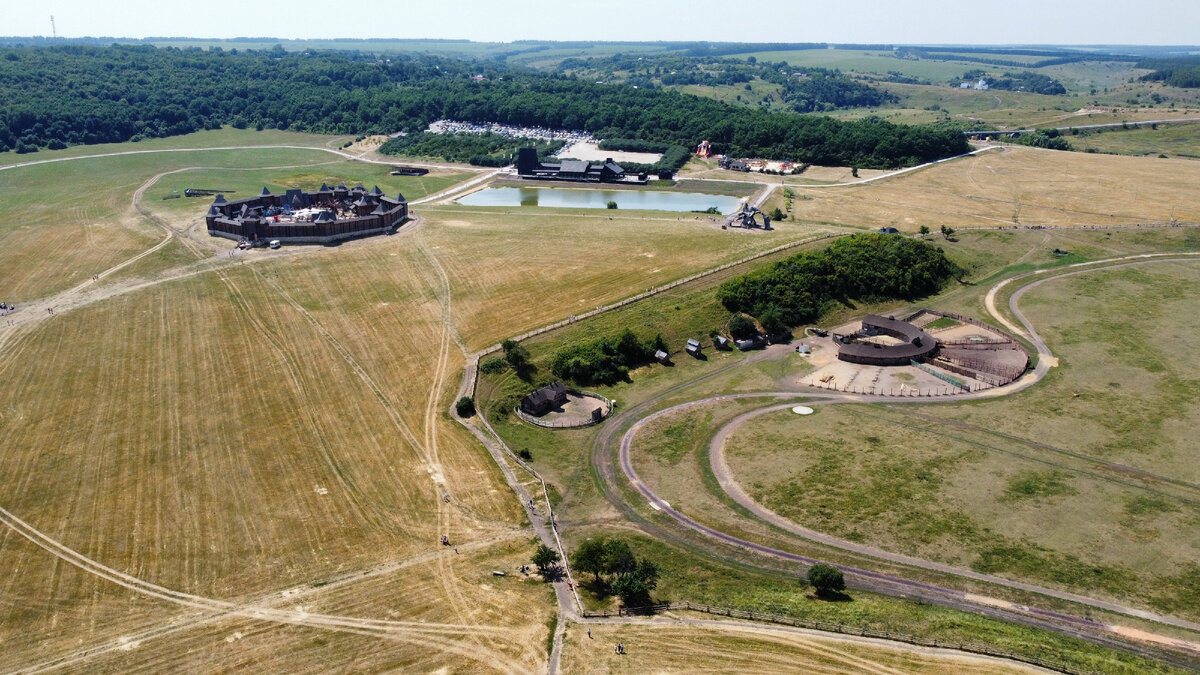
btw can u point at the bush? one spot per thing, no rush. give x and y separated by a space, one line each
742 327
465 407
826 579
611 204
493 365
525 454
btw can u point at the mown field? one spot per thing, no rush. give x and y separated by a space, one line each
268 432
1016 186
202 439
65 221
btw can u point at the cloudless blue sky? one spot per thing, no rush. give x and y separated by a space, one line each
862 21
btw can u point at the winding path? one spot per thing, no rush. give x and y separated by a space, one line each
602 456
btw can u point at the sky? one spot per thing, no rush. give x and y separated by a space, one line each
1146 22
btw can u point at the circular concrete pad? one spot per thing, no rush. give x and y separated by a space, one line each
802 410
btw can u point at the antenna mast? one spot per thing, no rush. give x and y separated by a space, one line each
53 30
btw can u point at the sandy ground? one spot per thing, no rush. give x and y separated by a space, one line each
592 153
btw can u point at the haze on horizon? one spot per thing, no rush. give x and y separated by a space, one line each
1064 22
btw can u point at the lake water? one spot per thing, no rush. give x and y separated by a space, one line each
598 199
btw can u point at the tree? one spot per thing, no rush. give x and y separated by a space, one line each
772 322
924 230
778 214
634 586
741 327
632 590
465 407
518 357
612 204
826 579
618 559
589 557
546 559
947 232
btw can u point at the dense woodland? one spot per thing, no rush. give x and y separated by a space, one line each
868 267
75 94
1181 72
801 89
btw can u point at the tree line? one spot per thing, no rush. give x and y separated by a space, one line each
78 94
867 267
1180 72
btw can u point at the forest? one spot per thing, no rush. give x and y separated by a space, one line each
77 94
1181 72
864 267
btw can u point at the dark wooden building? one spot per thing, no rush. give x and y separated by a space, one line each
915 344
545 399
307 217
574 170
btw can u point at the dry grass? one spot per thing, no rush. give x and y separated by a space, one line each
66 221
256 429
674 648
1017 186
238 433
510 273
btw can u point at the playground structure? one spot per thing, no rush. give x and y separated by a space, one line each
745 218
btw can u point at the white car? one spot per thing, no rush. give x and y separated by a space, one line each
274 243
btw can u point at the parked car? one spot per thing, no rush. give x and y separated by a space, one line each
274 243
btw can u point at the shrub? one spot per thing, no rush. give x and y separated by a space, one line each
494 365
826 579
465 407
605 361
742 327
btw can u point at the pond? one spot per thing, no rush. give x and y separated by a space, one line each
586 198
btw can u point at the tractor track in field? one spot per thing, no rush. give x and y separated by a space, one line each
181 623
403 630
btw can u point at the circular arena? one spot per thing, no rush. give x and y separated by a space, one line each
911 343
927 353
559 407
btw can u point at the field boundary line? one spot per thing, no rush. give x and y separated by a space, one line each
838 628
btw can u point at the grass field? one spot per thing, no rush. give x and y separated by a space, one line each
201 439
268 433
1181 140
713 649
1016 186
50 209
